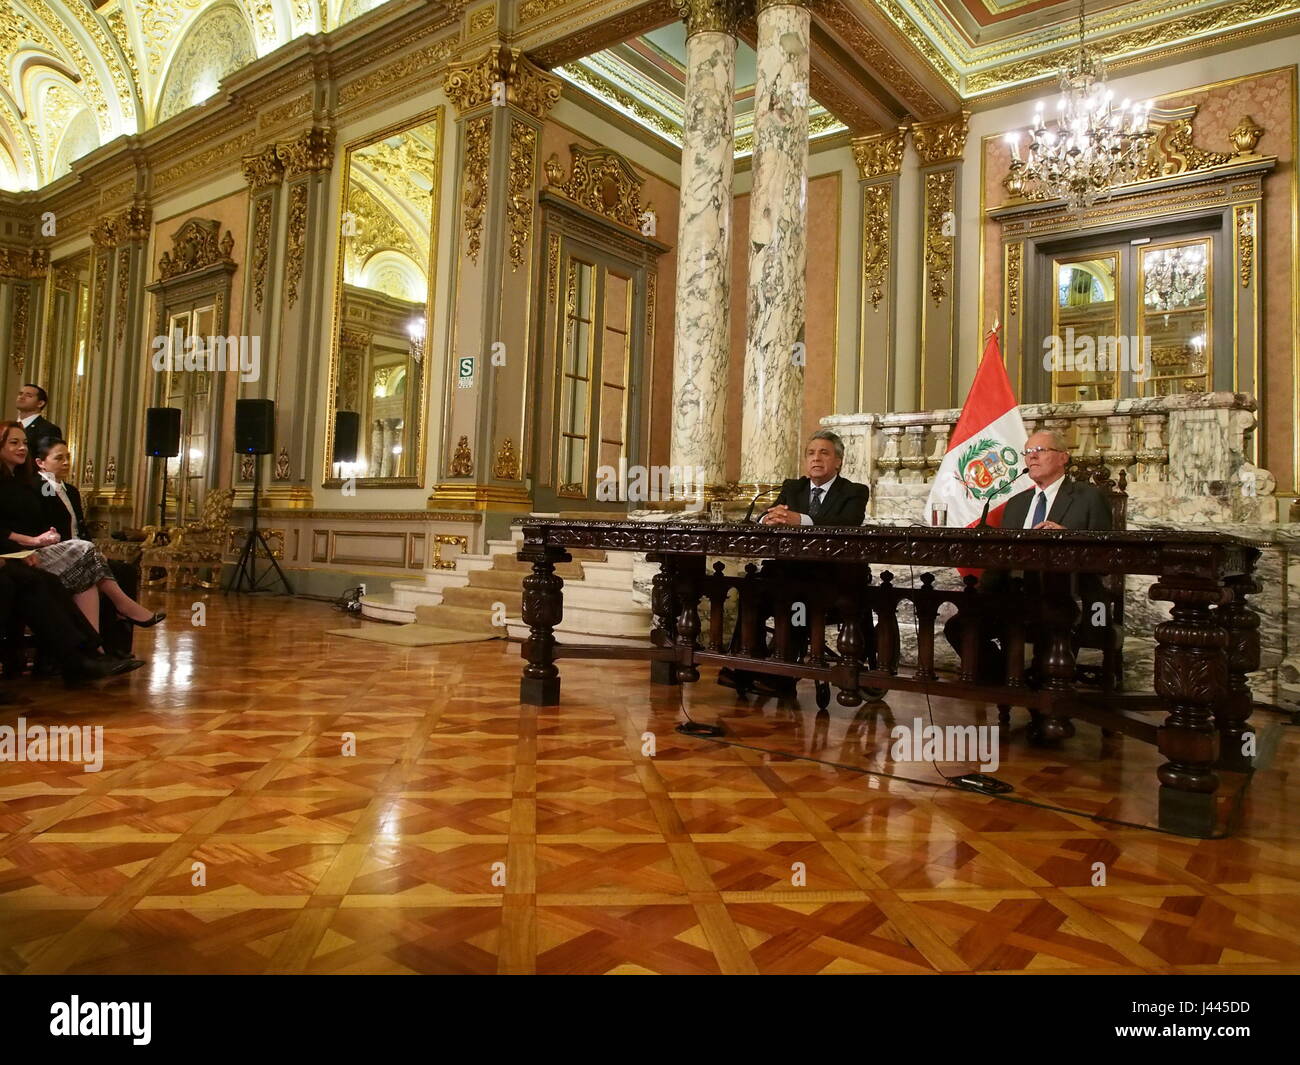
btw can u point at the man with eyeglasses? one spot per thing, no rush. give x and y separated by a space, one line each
1054 502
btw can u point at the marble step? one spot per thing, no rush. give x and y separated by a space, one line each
385 608
459 618
570 571
485 599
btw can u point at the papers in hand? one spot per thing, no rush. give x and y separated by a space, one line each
20 554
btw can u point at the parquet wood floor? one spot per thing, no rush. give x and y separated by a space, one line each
467 834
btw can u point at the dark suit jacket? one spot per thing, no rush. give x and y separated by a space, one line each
845 503
42 427
58 513
21 511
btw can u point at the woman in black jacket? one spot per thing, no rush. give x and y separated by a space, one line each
24 523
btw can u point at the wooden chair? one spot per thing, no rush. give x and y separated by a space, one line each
190 555
1108 638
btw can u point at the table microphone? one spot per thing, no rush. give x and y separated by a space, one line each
984 516
753 502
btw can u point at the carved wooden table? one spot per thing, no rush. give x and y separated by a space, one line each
1203 653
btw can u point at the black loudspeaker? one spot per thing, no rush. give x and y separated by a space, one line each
254 426
162 432
347 430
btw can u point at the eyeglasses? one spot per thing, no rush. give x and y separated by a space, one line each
1037 450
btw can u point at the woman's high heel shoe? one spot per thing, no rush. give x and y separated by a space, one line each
144 624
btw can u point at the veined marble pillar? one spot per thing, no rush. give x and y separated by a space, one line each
774 356
703 309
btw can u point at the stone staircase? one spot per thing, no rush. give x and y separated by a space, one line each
598 599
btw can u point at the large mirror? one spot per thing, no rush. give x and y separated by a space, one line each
388 217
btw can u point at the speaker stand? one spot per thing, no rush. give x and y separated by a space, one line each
255 544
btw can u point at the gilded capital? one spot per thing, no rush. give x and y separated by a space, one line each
941 140
312 151
131 224
24 263
501 75
264 168
880 154
717 16
762 5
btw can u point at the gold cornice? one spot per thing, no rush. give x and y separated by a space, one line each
310 152
472 83
880 154
941 140
474 497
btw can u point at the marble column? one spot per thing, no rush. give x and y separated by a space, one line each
774 356
703 310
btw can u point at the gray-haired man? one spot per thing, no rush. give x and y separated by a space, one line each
822 497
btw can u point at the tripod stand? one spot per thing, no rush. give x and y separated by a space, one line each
255 544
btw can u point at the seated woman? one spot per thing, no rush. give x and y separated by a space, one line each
24 523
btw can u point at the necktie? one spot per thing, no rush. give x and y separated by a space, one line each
1040 509
815 503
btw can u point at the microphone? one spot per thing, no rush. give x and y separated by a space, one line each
984 517
759 495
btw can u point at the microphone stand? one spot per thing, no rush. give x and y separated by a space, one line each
753 502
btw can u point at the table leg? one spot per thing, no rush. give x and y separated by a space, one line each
664 607
543 609
1232 715
1059 613
689 573
1191 673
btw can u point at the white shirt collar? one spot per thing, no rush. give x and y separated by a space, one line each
25 422
1050 491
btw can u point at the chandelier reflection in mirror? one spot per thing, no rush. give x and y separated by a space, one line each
1174 277
1091 147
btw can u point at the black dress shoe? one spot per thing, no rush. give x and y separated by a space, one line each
96 667
144 624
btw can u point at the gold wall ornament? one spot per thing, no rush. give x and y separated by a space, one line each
264 168
705 16
194 246
446 539
282 465
462 462
478 144
1015 254
531 10
1245 137
296 242
519 201
941 140
482 19
123 288
1174 153
603 181
1246 243
99 301
473 83
938 244
18 330
23 263
110 471
295 108
247 467
880 154
876 237
313 151
552 267
88 472
131 224
399 71
206 161
261 247
506 467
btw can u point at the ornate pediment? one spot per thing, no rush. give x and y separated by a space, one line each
196 245
600 180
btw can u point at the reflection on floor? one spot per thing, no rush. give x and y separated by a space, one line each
228 830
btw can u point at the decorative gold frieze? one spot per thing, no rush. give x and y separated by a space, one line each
478 144
482 19
876 237
261 247
498 71
506 466
531 10
295 108
131 224
400 71
263 169
1015 254
600 180
1246 244
205 161
22 263
195 246
519 201
311 152
880 154
938 231
462 462
705 16
941 140
296 242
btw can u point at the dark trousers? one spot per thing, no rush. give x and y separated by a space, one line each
32 598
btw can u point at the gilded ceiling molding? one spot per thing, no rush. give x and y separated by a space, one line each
295 108
311 152
400 71
478 143
876 239
711 16
519 193
938 245
941 140
473 83
126 226
532 10
600 180
263 169
296 243
196 246
23 263
880 154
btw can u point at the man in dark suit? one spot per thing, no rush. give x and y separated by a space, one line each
1054 502
822 497
31 415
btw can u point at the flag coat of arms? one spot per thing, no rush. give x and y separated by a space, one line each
983 464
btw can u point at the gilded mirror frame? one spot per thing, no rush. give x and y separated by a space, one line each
435 117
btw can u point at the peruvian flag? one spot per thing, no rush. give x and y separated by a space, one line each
983 465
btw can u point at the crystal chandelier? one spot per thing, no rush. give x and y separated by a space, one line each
1175 277
1091 147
